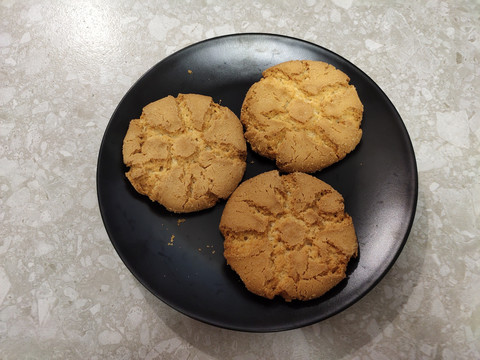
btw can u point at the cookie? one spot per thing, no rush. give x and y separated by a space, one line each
303 114
287 235
186 153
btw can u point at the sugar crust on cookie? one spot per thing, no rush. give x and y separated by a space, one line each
288 235
185 153
303 114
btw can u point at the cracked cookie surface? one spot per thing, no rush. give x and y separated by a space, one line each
303 114
185 153
288 235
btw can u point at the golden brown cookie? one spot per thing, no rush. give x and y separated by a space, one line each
287 235
185 153
303 114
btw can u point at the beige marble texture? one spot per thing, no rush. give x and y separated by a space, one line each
65 65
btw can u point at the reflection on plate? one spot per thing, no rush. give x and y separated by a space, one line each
179 258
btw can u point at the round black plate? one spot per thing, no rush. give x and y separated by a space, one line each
182 263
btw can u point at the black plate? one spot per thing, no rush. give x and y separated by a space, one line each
378 181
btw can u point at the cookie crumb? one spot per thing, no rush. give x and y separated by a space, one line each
171 240
179 221
189 71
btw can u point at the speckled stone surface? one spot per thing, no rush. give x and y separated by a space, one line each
65 65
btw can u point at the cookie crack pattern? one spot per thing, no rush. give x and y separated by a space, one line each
185 153
303 114
315 122
300 229
189 191
258 209
340 253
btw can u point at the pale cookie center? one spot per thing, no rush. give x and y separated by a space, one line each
184 146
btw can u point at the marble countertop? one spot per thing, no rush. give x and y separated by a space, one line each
64 67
